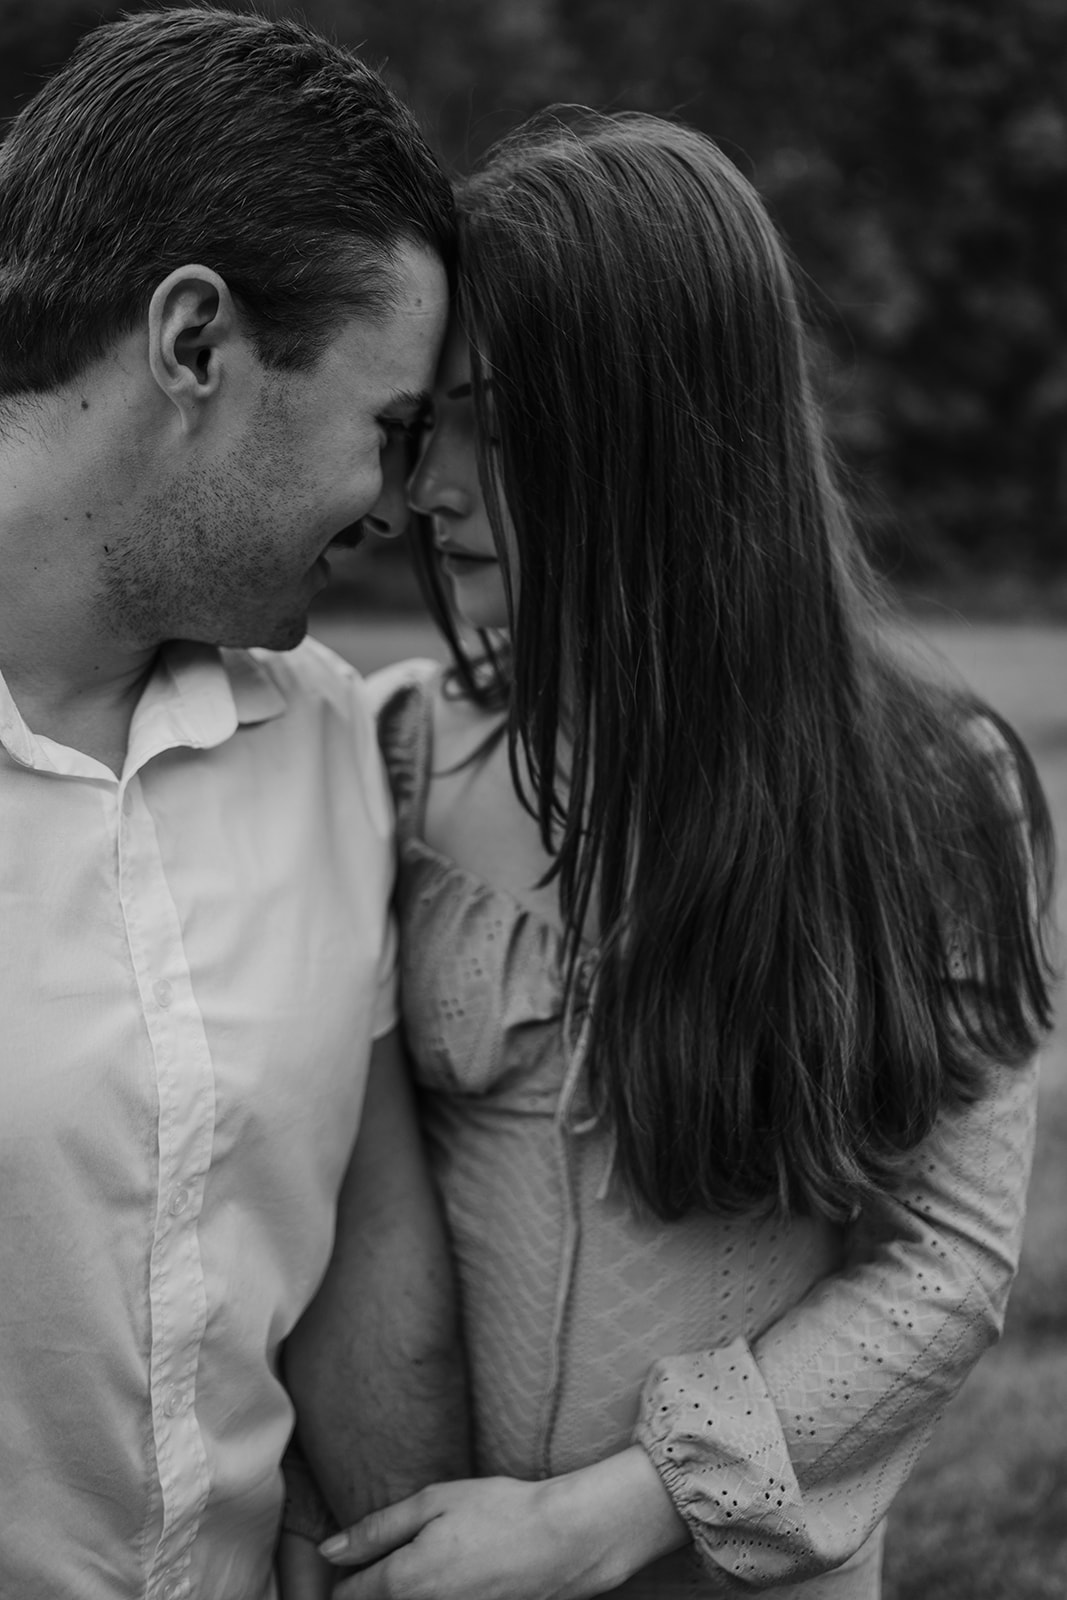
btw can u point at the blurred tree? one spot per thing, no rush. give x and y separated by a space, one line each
914 152
928 204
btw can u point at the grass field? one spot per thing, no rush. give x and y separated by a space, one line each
984 1515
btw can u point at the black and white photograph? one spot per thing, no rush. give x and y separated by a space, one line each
533 784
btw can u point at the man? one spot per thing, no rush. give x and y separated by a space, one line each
222 293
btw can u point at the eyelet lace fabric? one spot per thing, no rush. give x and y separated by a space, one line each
782 1376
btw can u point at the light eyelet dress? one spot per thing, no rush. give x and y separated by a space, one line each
783 1375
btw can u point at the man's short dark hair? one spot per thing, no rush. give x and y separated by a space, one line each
253 147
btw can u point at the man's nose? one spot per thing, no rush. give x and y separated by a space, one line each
390 514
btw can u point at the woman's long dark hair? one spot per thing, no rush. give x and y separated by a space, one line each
820 881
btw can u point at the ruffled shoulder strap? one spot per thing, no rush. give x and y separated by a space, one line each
402 696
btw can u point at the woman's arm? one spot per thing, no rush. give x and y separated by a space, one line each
782 1457
778 1458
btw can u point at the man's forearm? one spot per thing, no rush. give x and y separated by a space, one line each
382 1407
375 1367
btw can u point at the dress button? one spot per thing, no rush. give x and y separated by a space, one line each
162 991
179 1199
174 1402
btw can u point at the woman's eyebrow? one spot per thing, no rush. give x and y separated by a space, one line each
462 391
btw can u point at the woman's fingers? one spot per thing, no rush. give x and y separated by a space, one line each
380 1532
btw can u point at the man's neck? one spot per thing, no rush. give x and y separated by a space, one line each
72 677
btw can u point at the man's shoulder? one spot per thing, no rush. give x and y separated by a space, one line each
310 675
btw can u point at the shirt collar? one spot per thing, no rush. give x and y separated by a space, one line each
196 695
15 737
210 692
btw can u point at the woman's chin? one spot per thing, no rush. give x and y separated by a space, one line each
487 613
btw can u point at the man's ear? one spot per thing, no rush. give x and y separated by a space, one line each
192 321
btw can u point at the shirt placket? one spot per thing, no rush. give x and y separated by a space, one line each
186 1116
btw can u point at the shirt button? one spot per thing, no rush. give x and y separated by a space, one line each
179 1199
174 1402
162 991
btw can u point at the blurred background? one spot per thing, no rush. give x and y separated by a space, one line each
914 154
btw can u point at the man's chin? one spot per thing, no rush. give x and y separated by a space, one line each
284 636
267 634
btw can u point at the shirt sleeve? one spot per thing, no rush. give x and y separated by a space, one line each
784 1454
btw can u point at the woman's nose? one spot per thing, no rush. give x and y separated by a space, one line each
435 488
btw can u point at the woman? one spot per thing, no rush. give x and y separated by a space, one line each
723 960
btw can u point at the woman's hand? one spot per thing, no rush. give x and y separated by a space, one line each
504 1539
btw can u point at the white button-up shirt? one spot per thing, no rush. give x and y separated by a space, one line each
194 959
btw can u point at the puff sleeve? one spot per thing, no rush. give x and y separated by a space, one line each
782 1456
